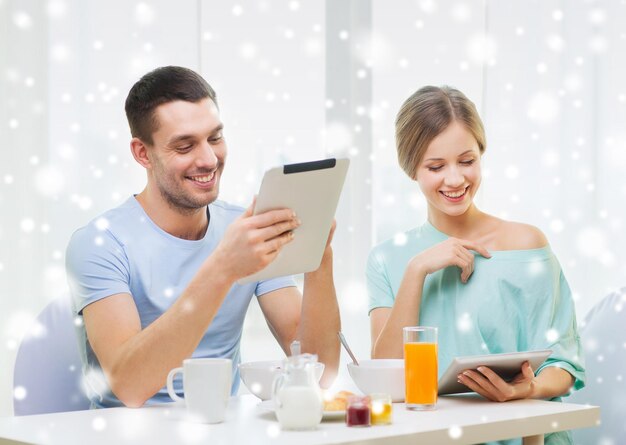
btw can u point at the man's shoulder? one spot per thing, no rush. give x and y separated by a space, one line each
116 220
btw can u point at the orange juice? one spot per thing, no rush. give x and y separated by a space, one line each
420 372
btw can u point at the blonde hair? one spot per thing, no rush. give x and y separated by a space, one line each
427 113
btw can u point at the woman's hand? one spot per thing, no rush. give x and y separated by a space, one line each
489 384
451 252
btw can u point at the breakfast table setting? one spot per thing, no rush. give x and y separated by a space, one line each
390 401
465 419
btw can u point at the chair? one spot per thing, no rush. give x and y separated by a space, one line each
47 375
603 336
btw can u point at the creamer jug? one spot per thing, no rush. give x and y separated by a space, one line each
297 394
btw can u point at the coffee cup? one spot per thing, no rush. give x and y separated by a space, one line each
206 387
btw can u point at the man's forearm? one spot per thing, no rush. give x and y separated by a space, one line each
320 321
141 366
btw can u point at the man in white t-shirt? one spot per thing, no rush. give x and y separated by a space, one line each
154 279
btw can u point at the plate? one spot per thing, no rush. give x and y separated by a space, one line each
268 405
328 415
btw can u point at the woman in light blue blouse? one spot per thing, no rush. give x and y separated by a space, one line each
489 285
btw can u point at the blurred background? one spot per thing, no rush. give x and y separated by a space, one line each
302 80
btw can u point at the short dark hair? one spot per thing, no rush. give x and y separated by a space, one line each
162 85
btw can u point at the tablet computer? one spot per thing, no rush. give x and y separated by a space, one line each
311 190
506 365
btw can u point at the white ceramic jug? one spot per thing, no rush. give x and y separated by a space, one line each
297 394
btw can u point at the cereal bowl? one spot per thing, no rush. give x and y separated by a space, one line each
379 376
259 376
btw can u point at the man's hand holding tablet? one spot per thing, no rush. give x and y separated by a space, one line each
311 190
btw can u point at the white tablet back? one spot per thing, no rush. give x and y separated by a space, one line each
506 365
312 190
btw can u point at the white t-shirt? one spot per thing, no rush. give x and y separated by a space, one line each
124 251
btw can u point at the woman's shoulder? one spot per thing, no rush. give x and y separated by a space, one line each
519 236
404 244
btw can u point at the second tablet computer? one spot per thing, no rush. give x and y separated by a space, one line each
506 365
312 190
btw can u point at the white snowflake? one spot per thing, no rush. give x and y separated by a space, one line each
464 322
597 16
555 42
543 107
481 48
99 423
57 9
248 50
237 10
27 225
22 20
19 393
428 6
557 225
552 335
273 430
400 239
144 14
49 181
591 242
461 13
455 432
337 137
59 52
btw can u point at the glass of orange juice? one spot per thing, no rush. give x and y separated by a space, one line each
420 367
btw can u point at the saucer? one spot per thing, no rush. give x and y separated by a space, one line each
268 405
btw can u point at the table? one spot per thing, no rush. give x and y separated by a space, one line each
463 419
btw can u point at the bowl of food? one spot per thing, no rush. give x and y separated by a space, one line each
379 376
259 376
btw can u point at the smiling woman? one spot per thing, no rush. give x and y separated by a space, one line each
449 175
487 284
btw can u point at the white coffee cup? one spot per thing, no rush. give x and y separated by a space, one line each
206 384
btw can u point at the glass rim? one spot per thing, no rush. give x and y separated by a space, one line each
419 328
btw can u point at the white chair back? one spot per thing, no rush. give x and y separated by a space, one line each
47 374
603 334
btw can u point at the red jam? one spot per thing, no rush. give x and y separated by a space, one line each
358 412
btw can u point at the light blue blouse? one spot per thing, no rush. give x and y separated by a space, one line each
517 300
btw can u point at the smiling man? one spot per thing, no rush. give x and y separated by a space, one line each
154 279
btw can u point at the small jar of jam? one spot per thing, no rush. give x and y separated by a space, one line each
381 408
358 411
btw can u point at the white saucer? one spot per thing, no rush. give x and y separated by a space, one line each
268 405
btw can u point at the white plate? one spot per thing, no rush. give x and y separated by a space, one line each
268 405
